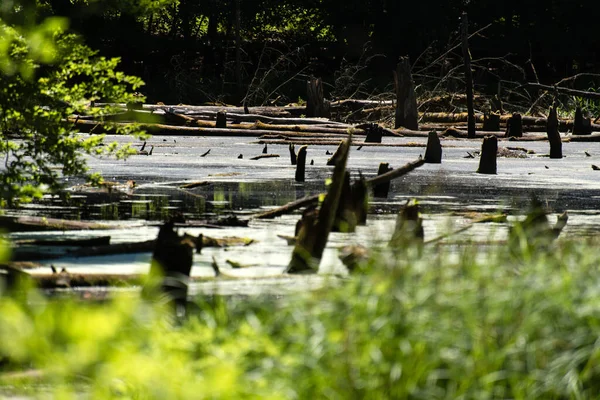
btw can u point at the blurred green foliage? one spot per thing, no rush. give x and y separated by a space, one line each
469 323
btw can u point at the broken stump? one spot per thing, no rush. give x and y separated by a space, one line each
581 125
382 189
433 152
221 120
406 100
514 126
316 105
553 134
491 122
301 164
489 151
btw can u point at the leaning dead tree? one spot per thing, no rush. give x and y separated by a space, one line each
406 100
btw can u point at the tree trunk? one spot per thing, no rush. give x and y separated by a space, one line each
553 134
489 151
406 100
316 105
301 164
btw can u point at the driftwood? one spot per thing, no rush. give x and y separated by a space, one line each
265 156
468 75
29 223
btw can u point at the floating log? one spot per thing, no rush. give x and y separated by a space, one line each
316 105
514 126
314 234
433 153
265 156
30 223
301 164
382 189
468 75
553 134
489 151
406 100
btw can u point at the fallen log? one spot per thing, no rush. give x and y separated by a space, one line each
326 142
269 120
563 90
30 223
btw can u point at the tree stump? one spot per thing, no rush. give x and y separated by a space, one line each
468 75
316 105
581 125
433 153
221 120
301 164
408 230
514 126
293 157
553 134
171 265
374 133
345 218
406 100
489 151
335 158
382 189
491 122
496 105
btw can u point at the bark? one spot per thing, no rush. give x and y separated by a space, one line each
406 100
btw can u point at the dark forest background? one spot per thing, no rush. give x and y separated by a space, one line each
262 51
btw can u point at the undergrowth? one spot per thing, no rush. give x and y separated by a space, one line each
466 323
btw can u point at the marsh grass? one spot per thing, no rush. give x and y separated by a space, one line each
463 323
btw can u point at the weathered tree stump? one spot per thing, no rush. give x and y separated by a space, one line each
374 133
360 200
301 164
221 120
468 75
316 105
408 230
406 101
581 125
433 152
345 218
293 157
489 151
335 158
314 232
553 134
514 126
491 122
382 189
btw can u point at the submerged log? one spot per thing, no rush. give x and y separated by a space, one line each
553 134
301 164
489 151
406 100
314 234
433 153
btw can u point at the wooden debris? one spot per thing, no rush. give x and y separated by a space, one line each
265 156
30 223
314 232
69 242
193 185
489 151
205 154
